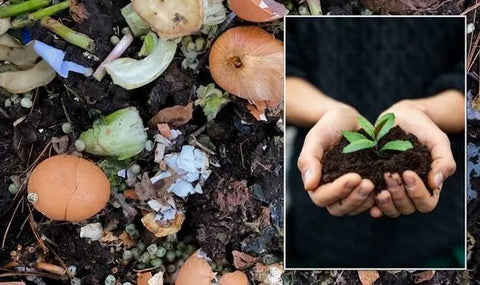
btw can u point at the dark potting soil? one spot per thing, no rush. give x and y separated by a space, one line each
372 166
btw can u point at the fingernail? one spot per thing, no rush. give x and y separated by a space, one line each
438 179
391 182
351 184
364 191
409 182
306 177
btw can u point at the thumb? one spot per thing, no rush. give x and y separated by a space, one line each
443 164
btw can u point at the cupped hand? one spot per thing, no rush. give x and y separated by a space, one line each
406 191
348 194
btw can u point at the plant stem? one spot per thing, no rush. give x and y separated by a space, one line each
71 36
38 15
22 8
314 7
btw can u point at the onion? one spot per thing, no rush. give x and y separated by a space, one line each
258 10
248 62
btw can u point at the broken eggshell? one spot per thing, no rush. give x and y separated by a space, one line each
234 278
195 270
258 10
171 18
161 230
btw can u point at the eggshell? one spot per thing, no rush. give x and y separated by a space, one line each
196 271
234 278
69 188
258 10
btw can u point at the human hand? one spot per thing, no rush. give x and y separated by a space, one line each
348 194
406 191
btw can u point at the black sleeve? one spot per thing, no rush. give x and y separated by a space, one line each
451 80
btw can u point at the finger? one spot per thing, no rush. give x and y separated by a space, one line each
366 205
353 200
385 203
375 212
419 194
443 164
399 196
332 192
320 138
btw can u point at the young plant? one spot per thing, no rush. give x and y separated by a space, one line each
375 132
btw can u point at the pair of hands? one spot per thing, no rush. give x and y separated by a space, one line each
352 195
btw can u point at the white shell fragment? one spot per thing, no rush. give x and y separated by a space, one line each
92 231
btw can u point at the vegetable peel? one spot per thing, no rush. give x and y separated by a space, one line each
131 73
25 80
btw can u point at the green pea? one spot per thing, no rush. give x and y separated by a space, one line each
178 253
144 258
127 255
171 268
170 256
161 251
141 246
152 249
156 262
181 245
167 245
135 253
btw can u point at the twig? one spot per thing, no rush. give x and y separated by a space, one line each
33 226
471 8
10 223
29 273
5 114
52 268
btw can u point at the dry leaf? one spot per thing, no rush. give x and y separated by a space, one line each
175 116
142 278
77 11
127 241
420 277
242 260
161 230
109 237
130 194
368 277
144 189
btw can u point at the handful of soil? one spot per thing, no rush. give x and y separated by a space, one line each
371 165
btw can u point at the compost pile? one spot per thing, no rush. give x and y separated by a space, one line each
193 160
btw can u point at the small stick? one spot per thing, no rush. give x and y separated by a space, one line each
51 268
71 36
38 15
22 8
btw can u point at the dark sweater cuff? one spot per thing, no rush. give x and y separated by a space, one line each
448 81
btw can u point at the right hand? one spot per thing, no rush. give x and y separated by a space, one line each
348 194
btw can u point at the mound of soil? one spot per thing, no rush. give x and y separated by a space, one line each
372 166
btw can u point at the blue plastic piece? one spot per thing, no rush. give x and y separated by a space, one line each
55 58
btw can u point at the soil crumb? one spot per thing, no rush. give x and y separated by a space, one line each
371 166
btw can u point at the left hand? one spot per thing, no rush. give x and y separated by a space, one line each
406 191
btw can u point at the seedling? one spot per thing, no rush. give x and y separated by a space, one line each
375 132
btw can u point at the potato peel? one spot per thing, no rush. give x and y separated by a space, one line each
23 81
171 18
159 230
22 57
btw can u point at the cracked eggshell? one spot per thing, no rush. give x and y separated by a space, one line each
69 188
195 270
171 18
234 278
258 10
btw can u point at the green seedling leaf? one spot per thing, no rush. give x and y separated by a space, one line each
383 125
211 99
367 126
353 136
397 145
359 145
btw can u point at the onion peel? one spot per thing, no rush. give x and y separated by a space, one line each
248 62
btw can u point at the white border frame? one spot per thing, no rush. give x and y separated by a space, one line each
285 152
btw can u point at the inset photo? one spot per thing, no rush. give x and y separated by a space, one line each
375 143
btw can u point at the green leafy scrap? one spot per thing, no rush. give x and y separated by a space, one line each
358 141
211 100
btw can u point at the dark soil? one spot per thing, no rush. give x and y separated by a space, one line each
371 165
